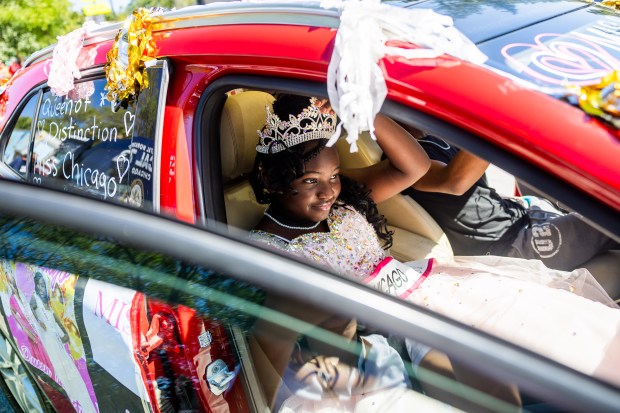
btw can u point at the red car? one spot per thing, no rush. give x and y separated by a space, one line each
184 144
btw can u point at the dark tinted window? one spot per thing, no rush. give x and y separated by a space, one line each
16 150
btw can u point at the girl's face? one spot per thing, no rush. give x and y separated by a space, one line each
316 190
40 287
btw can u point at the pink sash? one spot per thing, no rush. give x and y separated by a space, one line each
398 279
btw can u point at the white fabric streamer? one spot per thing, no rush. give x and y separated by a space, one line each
64 67
355 81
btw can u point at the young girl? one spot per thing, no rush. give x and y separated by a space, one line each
329 216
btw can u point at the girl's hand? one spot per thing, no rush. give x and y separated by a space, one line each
405 162
324 106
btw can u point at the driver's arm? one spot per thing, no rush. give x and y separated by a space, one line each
454 178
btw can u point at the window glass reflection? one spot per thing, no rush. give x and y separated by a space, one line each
133 330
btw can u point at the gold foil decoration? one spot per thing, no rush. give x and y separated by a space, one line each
602 99
126 61
614 4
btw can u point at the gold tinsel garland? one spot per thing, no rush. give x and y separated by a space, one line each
125 68
614 4
602 99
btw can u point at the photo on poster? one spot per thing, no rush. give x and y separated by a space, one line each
39 306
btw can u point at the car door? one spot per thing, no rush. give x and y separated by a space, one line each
134 312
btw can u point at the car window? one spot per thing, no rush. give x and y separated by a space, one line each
103 325
84 144
15 152
81 144
114 328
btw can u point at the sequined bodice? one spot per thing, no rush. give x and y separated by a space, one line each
351 247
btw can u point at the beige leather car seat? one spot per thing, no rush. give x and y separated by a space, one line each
416 234
243 115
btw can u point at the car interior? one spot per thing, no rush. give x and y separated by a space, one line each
416 234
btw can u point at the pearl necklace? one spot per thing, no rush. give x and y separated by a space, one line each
268 215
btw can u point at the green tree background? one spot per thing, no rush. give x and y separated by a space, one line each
168 4
29 25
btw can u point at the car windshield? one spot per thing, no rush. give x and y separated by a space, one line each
544 43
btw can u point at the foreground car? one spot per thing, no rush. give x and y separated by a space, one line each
172 326
185 145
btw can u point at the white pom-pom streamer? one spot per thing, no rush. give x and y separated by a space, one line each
355 81
64 69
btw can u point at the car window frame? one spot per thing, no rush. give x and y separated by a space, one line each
207 162
10 127
214 247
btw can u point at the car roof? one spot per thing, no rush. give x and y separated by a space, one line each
482 21
510 30
506 31
497 28
544 130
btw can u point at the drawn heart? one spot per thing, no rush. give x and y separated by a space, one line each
129 120
40 126
46 68
558 59
122 166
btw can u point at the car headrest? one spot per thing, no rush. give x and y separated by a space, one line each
243 115
368 153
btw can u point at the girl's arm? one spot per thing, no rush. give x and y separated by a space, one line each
405 162
65 333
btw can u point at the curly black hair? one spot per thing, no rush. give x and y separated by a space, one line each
282 168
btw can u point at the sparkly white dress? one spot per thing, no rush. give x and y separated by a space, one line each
66 373
521 301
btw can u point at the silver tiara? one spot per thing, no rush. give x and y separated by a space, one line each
310 124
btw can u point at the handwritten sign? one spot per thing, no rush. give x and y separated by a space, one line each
83 146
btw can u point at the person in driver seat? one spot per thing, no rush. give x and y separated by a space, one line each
479 221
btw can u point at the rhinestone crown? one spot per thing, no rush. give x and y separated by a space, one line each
310 124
